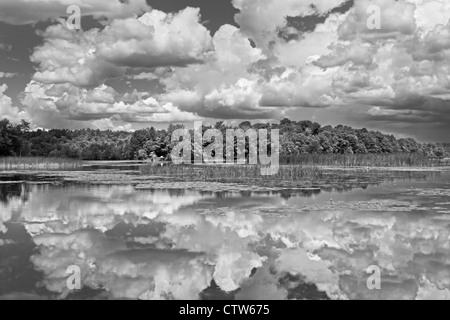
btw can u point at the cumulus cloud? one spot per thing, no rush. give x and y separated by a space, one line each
31 11
260 19
156 39
7 109
340 63
430 13
7 74
395 74
73 67
70 57
222 87
429 291
5 242
55 105
306 87
397 19
399 71
88 58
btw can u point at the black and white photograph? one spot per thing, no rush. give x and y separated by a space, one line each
225 154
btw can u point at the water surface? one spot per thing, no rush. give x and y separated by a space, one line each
133 243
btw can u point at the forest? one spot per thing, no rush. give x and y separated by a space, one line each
296 138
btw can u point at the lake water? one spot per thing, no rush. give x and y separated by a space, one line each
186 244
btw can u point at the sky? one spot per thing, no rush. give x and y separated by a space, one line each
139 63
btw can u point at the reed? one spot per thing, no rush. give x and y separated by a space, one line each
361 160
233 173
36 163
297 168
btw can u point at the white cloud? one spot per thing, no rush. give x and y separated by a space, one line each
430 13
397 20
7 109
429 291
5 242
340 64
31 11
400 71
259 19
144 76
52 106
221 87
70 57
309 46
243 95
170 114
110 124
156 39
7 74
88 58
305 87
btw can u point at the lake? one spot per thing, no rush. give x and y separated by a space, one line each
171 241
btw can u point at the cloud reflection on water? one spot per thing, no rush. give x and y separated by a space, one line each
164 245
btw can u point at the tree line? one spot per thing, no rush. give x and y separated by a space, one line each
296 138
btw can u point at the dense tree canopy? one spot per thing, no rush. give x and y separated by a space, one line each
296 138
12 138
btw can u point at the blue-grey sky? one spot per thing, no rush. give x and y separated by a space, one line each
138 63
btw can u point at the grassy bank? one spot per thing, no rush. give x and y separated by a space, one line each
16 163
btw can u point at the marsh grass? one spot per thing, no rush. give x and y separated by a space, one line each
233 173
361 160
305 170
36 163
